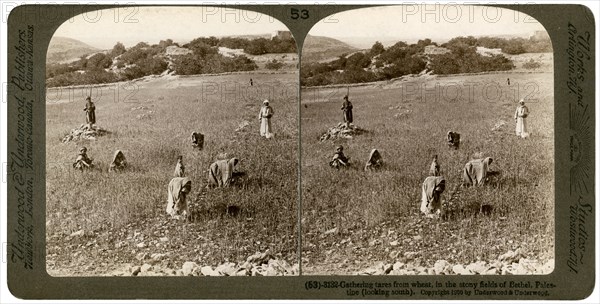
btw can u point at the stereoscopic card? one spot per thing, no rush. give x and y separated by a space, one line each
405 151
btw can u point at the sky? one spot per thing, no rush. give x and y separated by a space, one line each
104 28
439 22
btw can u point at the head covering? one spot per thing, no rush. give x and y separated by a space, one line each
88 98
176 203
266 101
339 148
375 160
82 149
522 101
345 97
431 200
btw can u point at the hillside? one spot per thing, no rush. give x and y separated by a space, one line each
319 48
62 49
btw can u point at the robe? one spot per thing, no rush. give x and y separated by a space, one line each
521 120
119 162
221 172
265 114
198 140
453 140
179 188
476 171
431 196
81 161
347 108
90 113
339 160
375 161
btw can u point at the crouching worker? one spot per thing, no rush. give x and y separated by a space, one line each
83 161
179 188
198 140
375 161
119 162
339 160
431 197
476 171
453 140
221 173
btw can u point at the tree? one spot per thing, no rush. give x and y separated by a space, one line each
376 49
117 50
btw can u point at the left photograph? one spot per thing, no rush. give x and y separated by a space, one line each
171 144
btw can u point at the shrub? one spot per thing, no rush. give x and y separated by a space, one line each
274 65
532 64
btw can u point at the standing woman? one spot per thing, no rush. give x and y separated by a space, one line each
264 116
520 119
90 112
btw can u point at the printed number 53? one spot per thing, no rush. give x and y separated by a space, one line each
302 14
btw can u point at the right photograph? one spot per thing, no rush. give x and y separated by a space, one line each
427 143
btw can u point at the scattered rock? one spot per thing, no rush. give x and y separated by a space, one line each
136 270
78 233
146 268
499 125
242 125
208 271
331 231
188 268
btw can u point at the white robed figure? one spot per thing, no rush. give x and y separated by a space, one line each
264 116
521 120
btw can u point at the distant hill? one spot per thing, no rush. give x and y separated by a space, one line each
319 48
62 50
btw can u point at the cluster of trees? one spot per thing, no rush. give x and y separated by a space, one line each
138 61
260 46
376 64
513 46
380 63
141 60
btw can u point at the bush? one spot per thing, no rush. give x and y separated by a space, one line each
274 65
532 64
467 60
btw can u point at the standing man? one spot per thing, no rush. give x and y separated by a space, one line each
90 112
520 119
347 109
264 116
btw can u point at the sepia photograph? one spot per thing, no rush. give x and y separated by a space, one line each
171 144
427 143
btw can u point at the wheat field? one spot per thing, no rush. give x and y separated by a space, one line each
123 214
353 219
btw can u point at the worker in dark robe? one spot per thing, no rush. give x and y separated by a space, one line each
347 109
90 112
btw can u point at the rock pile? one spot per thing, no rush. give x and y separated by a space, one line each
84 132
511 262
259 264
342 131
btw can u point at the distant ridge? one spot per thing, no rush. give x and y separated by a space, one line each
62 49
320 48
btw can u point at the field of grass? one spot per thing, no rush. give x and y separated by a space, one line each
354 219
151 122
